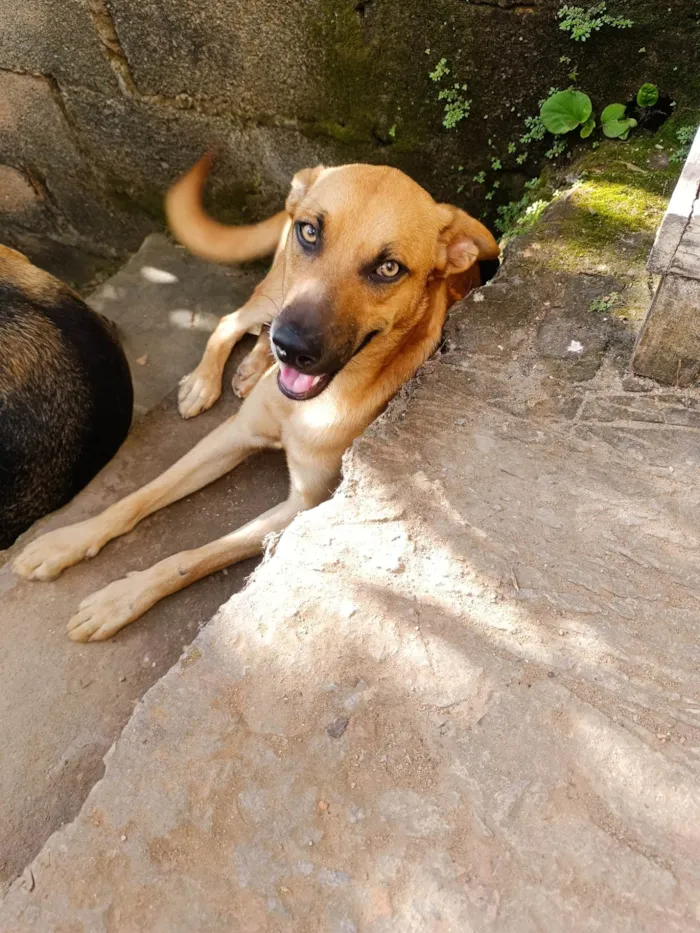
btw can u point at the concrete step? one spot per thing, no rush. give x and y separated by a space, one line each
63 704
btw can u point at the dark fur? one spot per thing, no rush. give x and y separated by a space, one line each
66 396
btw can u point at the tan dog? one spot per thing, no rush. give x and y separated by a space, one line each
366 266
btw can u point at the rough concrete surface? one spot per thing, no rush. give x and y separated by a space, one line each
462 695
63 705
166 304
54 37
74 204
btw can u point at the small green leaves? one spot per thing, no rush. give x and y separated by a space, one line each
615 124
456 105
565 110
441 70
647 95
604 304
581 22
588 128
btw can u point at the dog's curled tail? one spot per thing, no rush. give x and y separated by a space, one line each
202 235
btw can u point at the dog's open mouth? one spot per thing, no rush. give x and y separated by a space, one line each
300 386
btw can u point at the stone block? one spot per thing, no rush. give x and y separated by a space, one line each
142 146
54 37
668 348
20 202
248 54
35 136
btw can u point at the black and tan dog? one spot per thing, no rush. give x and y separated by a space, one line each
366 266
65 394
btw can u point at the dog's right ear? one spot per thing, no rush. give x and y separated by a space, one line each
301 183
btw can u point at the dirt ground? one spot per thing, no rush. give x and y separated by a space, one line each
464 694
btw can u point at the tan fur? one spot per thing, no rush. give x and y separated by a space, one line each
366 207
209 239
34 282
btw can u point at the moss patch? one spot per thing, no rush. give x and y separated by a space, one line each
605 223
606 218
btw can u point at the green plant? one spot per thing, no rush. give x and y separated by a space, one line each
520 216
647 95
496 164
616 125
556 149
457 106
604 304
441 70
588 127
480 178
566 110
535 130
581 22
684 136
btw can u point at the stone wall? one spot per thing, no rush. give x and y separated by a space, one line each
104 102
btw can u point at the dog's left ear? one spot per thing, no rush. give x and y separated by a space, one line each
301 183
462 241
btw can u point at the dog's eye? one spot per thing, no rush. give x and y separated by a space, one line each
307 233
388 270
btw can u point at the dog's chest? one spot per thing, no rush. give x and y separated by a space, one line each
320 423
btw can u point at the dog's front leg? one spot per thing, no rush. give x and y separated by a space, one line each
220 451
254 366
202 387
107 611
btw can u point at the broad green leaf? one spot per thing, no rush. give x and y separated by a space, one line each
647 95
618 129
613 112
588 128
565 110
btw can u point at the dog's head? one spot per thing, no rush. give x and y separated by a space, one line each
367 251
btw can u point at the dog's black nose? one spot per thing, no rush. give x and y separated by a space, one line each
296 348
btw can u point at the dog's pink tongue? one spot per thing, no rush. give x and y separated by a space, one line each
296 382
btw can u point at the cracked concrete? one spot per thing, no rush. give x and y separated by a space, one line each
461 695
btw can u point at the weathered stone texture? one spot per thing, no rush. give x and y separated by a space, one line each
20 198
159 82
669 346
36 137
251 55
255 162
56 38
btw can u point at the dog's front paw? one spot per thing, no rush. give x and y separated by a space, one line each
248 375
197 393
104 613
48 556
